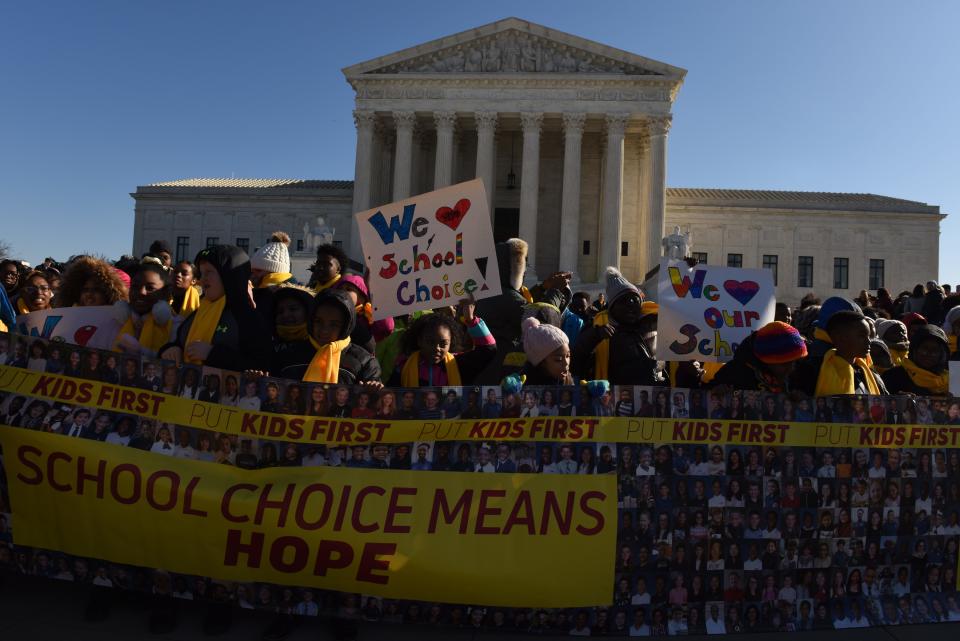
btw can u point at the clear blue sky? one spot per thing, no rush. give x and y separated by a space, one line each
99 97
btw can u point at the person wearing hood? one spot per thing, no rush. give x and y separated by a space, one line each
576 316
367 332
894 334
335 359
225 331
620 346
270 268
435 349
291 338
951 327
933 303
764 360
504 313
924 372
808 369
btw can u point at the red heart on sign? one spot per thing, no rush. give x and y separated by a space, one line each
452 217
83 334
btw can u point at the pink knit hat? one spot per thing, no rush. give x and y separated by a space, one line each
539 340
355 280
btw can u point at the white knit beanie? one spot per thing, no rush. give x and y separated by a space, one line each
539 341
617 286
274 256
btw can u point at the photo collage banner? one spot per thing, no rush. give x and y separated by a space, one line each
641 511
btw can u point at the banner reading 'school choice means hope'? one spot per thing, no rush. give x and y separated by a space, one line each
589 429
430 251
439 537
706 311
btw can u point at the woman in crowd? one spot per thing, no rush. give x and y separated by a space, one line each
148 319
925 370
89 282
329 266
186 291
35 294
225 331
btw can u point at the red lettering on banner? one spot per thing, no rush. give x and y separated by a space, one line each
136 480
358 508
595 514
394 508
300 517
516 520
441 509
278 554
332 555
188 508
283 505
171 501
235 547
551 504
51 461
484 510
228 496
370 562
98 477
37 477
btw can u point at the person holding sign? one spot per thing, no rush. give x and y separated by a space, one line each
226 330
924 371
434 348
35 294
618 347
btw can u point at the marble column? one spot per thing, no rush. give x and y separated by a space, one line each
486 153
403 158
443 161
530 186
612 193
657 186
570 208
365 121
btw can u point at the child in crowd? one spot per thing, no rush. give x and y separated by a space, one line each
225 331
547 349
765 359
620 345
147 320
90 282
335 358
844 369
186 292
434 349
367 332
924 372
328 268
291 338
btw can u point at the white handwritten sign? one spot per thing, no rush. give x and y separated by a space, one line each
85 326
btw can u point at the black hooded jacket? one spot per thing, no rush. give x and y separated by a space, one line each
357 365
745 371
898 381
287 353
241 340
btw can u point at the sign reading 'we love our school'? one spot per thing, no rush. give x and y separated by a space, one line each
430 250
706 311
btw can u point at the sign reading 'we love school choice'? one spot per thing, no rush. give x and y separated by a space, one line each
429 251
706 311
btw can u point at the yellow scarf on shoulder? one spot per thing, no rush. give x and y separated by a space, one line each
274 278
936 383
527 296
837 376
290 333
410 374
821 334
3 327
152 336
22 307
601 354
897 356
952 340
191 302
204 324
327 285
325 366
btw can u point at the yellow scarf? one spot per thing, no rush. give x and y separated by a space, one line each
152 336
365 311
410 374
897 356
952 340
837 377
526 294
325 366
822 335
601 354
327 285
937 383
290 333
204 324
274 278
3 327
22 307
191 302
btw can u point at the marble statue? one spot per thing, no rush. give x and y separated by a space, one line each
677 245
320 234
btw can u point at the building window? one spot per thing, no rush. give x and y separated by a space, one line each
243 243
876 273
586 248
213 240
700 257
841 273
735 260
183 248
805 271
624 248
299 244
338 243
770 262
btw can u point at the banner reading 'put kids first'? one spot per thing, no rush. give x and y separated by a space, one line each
430 250
706 311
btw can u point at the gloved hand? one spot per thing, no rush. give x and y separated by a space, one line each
597 388
513 383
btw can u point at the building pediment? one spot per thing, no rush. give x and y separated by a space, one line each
513 46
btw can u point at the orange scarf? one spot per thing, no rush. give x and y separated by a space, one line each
325 366
365 311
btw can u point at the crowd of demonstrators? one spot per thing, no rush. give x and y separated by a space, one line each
233 311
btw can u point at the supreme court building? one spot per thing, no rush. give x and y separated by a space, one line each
570 137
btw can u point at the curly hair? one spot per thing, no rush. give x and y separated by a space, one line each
431 323
334 252
83 269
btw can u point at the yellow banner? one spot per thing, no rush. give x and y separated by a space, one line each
334 431
524 540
